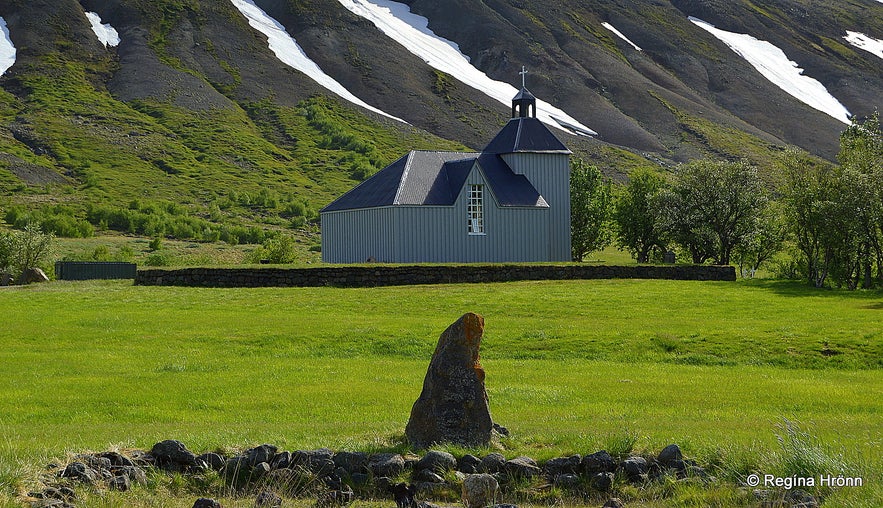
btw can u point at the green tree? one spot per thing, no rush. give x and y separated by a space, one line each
861 161
837 211
590 210
634 221
767 238
810 188
711 208
21 250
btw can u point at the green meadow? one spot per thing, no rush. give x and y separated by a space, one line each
747 377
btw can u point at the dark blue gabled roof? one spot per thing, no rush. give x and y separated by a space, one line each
509 188
525 135
436 178
418 178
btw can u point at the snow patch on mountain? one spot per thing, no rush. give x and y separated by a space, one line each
862 41
621 36
289 52
412 31
7 49
105 33
774 65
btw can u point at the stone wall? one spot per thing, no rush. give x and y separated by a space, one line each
381 275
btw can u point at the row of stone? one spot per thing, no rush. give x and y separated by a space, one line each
379 275
338 470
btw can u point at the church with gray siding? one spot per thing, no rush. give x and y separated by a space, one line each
508 203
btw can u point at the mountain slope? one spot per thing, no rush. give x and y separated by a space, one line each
192 104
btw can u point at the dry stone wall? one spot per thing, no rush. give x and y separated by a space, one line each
380 275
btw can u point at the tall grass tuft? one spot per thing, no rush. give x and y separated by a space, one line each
804 455
620 444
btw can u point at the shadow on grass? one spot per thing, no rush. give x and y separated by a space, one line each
804 289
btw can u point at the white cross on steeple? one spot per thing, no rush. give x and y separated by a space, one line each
523 75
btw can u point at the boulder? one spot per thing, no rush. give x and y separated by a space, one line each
258 454
214 461
281 460
386 464
171 454
333 498
133 473
116 459
493 463
120 483
562 465
267 499
613 503
428 476
601 481
567 481
453 405
353 462
522 467
319 462
205 502
469 464
32 275
80 472
671 457
437 462
635 469
598 462
480 490
801 499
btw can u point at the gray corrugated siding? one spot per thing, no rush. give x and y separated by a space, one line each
550 175
437 234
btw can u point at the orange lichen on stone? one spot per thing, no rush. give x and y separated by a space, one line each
473 329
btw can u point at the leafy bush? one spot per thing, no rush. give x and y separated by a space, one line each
58 220
158 259
277 250
21 250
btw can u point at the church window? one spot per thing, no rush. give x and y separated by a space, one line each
475 211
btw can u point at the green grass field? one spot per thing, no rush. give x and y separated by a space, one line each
572 367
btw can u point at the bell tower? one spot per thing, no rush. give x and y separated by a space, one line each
524 105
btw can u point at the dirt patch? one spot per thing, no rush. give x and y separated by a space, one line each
32 174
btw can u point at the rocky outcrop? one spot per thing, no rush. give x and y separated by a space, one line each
453 406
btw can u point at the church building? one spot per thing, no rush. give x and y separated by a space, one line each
508 203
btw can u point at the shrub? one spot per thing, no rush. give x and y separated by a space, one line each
276 250
21 250
158 259
155 243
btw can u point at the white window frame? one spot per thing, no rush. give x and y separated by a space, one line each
475 210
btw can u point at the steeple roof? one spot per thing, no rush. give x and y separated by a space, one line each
525 135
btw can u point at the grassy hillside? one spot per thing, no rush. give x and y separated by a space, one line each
572 367
258 163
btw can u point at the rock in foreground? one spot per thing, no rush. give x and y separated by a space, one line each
453 406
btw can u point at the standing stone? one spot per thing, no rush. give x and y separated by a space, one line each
453 406
480 490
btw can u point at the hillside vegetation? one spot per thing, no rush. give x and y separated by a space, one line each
192 128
